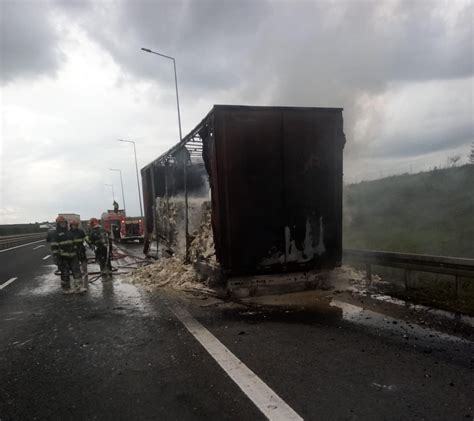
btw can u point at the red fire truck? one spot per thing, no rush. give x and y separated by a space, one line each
121 227
131 229
111 221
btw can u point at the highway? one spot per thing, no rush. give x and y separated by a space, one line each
22 262
120 352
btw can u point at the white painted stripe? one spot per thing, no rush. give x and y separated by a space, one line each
45 257
22 245
266 400
38 247
8 283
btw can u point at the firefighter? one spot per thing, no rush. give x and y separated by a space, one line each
62 246
79 238
49 237
99 238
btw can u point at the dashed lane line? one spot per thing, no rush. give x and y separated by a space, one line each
264 398
5 284
22 245
45 257
38 247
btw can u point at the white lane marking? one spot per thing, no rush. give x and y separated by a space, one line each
5 284
45 257
38 247
22 245
264 398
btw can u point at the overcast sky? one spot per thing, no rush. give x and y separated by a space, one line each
73 79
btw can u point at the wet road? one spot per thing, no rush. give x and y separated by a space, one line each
121 353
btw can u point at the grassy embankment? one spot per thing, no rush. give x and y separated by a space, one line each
426 213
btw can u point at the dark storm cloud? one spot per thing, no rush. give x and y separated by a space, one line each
209 39
292 53
218 43
28 40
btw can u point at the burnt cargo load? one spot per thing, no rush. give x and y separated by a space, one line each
273 177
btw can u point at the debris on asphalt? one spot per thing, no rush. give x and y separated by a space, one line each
170 272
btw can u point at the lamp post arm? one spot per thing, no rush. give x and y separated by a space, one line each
177 99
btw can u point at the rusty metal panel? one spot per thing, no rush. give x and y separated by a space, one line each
277 202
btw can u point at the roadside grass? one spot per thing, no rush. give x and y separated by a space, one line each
426 213
429 213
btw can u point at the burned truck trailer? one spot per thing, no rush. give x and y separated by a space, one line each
271 178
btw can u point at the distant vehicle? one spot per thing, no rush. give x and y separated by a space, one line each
131 229
111 221
70 217
121 227
48 225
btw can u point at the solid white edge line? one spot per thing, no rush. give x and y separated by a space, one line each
5 284
22 245
45 257
264 398
38 247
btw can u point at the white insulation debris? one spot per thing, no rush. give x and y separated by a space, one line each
173 272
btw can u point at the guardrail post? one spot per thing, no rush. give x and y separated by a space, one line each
407 279
368 269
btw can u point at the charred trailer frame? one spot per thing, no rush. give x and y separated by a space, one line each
275 176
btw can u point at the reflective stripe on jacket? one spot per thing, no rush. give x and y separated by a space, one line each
78 242
62 243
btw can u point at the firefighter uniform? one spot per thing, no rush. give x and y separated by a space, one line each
62 246
99 238
79 237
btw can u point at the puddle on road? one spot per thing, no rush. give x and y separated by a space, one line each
46 283
316 307
119 294
317 313
114 292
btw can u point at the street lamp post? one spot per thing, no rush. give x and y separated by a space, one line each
186 222
136 168
113 193
147 50
121 184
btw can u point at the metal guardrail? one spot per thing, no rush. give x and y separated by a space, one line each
458 267
8 241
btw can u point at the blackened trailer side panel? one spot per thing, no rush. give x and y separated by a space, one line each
277 177
146 174
249 183
312 224
340 140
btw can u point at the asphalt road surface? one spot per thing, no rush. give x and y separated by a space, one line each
119 352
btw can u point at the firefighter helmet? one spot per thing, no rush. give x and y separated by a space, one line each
93 222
